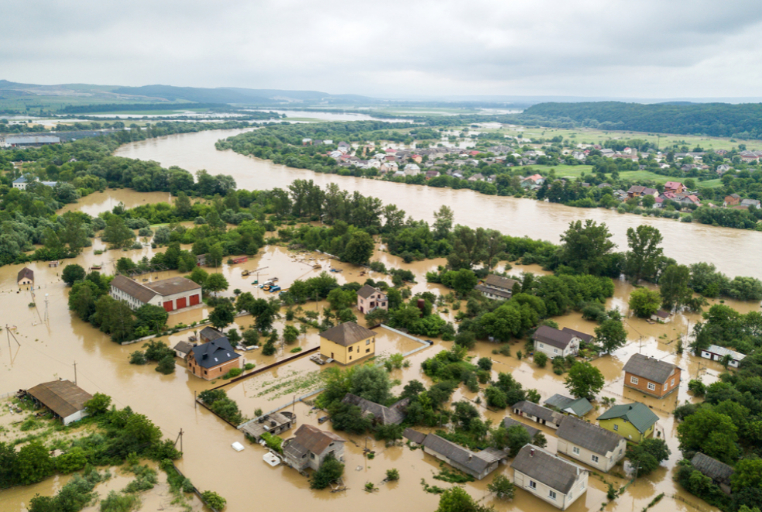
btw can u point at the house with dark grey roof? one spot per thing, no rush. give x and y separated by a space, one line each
589 443
381 414
549 477
65 399
369 298
651 376
573 406
634 421
555 343
477 464
497 287
537 413
347 343
587 338
510 422
719 472
310 446
214 359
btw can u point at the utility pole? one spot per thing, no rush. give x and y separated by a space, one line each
75 373
180 438
47 318
195 400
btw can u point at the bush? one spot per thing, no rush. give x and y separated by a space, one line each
697 387
214 500
392 475
233 372
329 472
138 357
166 365
541 359
72 461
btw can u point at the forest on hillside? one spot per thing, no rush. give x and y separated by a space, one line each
743 121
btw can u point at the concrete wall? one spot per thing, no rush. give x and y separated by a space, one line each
74 417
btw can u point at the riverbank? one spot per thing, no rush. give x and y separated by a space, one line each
733 252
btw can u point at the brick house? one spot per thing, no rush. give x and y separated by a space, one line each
369 298
214 359
674 186
651 376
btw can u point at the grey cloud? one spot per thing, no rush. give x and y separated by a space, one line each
616 47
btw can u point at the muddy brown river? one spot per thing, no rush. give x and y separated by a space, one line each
734 252
47 350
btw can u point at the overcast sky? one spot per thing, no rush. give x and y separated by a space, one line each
611 48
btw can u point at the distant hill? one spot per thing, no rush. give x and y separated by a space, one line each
237 95
714 119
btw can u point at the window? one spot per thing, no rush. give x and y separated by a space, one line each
552 495
367 342
570 495
582 486
575 450
673 382
533 484
595 459
634 380
312 455
555 351
616 427
620 450
651 386
350 349
367 350
542 346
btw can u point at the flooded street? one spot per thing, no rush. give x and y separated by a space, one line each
48 351
734 252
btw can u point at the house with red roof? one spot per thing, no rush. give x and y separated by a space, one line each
674 186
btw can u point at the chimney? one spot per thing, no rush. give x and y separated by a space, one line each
470 456
531 452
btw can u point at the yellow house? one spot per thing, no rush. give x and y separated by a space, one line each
634 421
347 343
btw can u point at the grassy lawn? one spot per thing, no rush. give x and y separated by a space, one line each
562 171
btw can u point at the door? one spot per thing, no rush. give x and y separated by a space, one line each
194 299
181 303
168 306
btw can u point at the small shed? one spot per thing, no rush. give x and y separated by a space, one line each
719 472
717 353
25 276
662 316
183 348
210 334
64 398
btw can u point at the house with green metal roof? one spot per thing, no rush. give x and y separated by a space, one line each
634 421
574 406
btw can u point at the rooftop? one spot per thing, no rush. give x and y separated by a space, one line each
385 415
173 285
347 334
63 397
214 353
588 436
315 440
133 288
641 417
712 468
649 368
366 291
576 406
551 470
510 422
553 337
538 411
476 462
500 282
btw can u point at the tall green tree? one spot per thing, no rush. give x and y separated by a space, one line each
673 286
443 222
584 380
359 249
117 233
216 283
584 246
72 273
645 254
644 302
222 315
611 335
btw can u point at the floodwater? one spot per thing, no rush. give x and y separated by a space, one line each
47 350
330 116
99 202
734 252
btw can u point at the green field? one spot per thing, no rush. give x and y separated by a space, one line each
589 136
576 171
